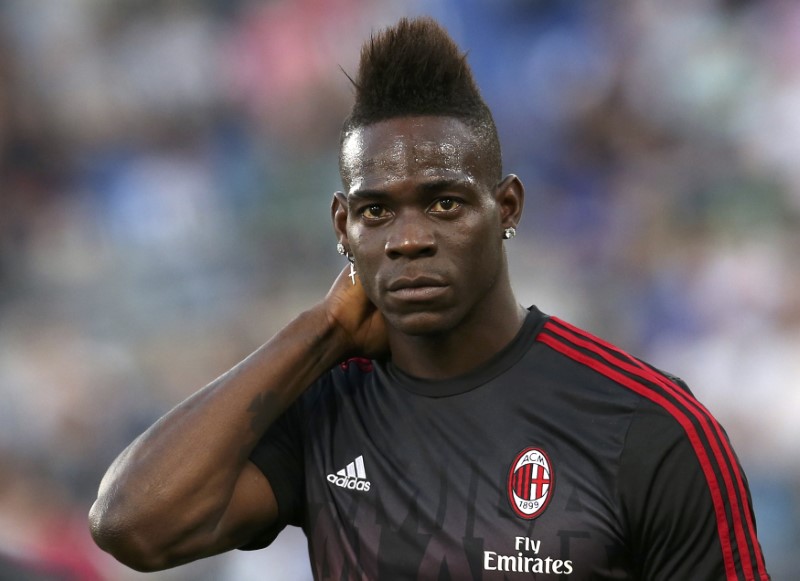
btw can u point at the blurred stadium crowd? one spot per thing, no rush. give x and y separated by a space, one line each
165 175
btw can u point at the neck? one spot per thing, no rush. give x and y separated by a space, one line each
475 340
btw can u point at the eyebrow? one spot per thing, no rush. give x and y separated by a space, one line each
427 188
444 184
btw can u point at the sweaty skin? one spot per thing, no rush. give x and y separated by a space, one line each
412 149
424 218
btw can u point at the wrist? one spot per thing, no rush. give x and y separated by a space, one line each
328 341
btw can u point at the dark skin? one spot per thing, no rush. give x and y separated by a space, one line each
423 219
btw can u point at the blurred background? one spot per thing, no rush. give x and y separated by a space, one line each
166 169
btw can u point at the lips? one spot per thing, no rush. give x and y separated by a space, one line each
417 288
404 282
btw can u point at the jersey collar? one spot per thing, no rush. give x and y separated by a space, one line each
498 364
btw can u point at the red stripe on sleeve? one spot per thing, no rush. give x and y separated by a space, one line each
591 343
707 422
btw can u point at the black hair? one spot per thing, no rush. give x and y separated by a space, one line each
414 68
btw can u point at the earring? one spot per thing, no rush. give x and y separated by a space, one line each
509 233
341 250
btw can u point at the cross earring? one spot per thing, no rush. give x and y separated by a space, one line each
352 274
341 250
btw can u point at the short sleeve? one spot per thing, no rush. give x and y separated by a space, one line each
681 524
280 457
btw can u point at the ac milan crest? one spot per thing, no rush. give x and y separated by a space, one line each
530 483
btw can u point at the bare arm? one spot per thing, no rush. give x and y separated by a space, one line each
185 488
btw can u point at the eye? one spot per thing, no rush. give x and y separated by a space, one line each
445 205
374 212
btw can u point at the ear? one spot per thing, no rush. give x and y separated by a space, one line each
510 197
339 217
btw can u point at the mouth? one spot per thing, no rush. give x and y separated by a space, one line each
419 288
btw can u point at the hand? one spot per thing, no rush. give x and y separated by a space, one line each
362 325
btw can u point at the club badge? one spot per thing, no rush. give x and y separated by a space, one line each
530 483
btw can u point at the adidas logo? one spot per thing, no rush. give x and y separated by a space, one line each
352 477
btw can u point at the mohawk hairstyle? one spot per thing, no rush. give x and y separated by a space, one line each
415 68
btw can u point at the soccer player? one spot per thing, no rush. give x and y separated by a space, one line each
418 422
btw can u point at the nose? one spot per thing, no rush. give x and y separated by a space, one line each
410 236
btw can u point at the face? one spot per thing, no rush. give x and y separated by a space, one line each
424 222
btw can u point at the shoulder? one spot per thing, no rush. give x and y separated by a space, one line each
628 372
665 413
680 483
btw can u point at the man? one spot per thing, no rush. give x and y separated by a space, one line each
418 423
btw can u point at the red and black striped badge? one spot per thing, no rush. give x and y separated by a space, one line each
530 483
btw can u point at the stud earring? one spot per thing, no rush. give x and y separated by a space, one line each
509 233
340 248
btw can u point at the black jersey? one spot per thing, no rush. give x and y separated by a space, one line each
560 458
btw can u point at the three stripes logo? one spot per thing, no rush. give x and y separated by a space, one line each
352 477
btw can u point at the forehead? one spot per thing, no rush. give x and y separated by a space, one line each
410 148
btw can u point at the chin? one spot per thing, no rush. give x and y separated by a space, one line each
420 324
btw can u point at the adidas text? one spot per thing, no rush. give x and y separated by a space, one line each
352 477
349 483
